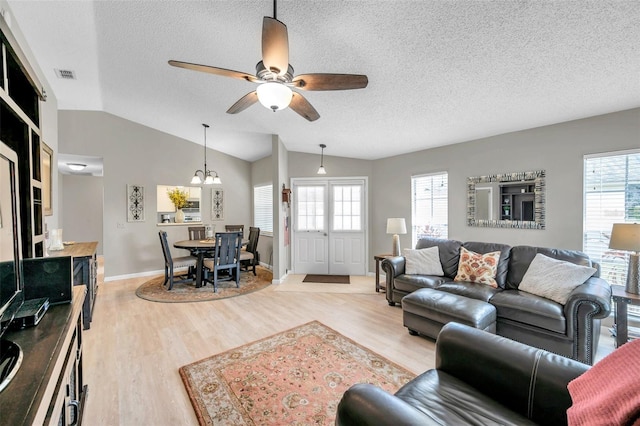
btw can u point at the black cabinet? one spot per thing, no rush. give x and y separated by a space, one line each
85 267
48 388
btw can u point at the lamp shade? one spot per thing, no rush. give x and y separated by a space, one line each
396 225
625 236
275 96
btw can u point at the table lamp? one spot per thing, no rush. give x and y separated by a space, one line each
626 236
395 226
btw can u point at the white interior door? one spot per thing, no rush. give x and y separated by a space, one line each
310 248
347 228
329 227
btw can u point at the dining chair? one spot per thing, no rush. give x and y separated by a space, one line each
226 259
197 233
171 263
235 228
249 255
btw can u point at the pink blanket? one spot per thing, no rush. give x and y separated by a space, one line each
609 392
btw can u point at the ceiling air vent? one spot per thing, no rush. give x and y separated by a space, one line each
66 74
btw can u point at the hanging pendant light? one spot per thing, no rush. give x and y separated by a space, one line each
206 177
321 170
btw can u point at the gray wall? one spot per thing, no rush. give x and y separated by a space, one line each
83 202
135 154
559 149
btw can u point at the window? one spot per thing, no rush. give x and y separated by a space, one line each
263 208
429 206
611 195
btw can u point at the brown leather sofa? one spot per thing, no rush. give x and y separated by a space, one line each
571 330
479 379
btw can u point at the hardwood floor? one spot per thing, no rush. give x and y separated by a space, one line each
134 347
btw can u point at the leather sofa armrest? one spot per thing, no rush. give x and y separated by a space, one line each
365 404
392 267
530 381
596 291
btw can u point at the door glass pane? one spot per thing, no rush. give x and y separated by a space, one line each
346 208
310 208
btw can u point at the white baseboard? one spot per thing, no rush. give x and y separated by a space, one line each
136 275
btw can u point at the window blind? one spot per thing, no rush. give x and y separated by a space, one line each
611 195
263 208
429 206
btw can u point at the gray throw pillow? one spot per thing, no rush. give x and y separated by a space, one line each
423 262
554 279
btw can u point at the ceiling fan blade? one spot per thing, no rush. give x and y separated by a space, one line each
330 81
302 106
275 46
243 103
214 70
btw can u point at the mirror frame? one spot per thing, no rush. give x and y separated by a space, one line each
537 177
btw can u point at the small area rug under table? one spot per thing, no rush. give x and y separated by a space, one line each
328 279
154 291
296 377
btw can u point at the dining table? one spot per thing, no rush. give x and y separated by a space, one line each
200 249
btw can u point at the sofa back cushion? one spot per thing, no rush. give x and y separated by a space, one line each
503 263
522 256
449 251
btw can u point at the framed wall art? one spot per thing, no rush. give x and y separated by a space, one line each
217 204
135 203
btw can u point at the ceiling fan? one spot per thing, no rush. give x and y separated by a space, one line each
275 78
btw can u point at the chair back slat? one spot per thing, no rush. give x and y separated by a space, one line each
227 251
165 248
235 228
197 233
254 234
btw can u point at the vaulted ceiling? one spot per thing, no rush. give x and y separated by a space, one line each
440 72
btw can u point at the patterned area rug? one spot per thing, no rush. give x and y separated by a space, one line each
296 377
154 291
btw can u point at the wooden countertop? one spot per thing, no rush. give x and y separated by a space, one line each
76 250
26 399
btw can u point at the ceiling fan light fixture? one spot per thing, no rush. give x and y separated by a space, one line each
274 96
76 167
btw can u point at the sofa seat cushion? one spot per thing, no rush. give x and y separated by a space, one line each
527 308
449 401
410 283
470 290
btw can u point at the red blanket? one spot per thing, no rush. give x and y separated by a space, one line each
609 392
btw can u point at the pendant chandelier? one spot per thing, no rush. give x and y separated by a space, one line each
321 170
205 176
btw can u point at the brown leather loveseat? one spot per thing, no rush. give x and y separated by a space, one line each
571 329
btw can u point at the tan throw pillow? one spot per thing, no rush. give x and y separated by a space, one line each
423 262
553 279
478 268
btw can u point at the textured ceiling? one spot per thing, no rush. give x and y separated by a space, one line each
440 72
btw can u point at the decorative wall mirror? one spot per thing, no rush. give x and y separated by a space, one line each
509 200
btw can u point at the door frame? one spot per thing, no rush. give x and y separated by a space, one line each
329 180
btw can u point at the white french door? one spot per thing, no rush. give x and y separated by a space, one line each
329 226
